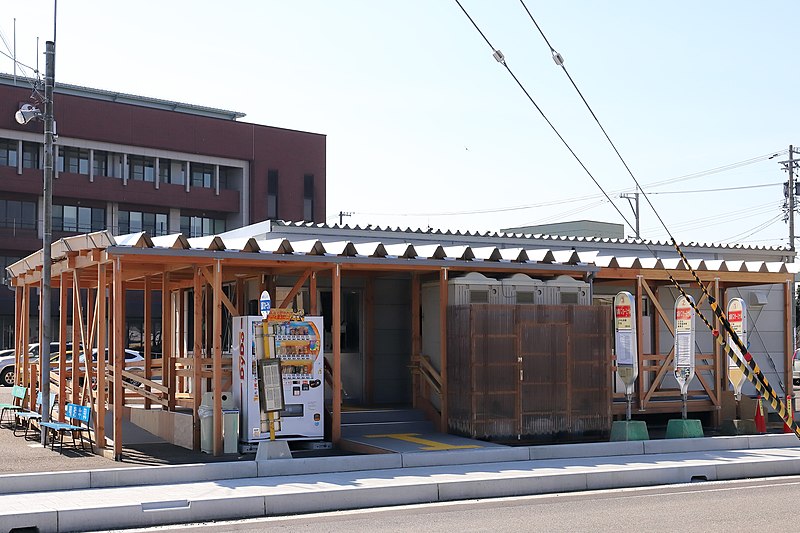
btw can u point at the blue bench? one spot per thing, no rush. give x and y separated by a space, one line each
18 393
78 417
23 418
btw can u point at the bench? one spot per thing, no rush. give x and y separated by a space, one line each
78 417
23 418
18 393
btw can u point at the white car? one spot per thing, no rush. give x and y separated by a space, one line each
7 368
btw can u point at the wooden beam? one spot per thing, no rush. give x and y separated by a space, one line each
167 336
118 318
639 340
369 345
416 336
443 423
62 342
312 295
217 355
336 327
102 331
223 297
241 305
147 344
197 389
297 286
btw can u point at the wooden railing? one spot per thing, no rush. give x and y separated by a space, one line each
428 395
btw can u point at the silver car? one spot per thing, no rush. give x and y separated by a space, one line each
7 368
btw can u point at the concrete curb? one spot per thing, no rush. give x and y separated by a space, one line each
279 495
155 475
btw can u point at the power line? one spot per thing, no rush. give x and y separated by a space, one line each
720 189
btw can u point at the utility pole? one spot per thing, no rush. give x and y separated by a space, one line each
47 234
343 214
790 193
633 196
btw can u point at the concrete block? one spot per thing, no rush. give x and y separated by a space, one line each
159 513
679 428
44 481
778 440
625 430
273 449
156 475
504 486
312 465
593 449
461 457
738 427
350 498
648 475
694 445
759 468
32 521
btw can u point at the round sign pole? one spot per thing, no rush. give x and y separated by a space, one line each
684 362
626 344
264 306
737 317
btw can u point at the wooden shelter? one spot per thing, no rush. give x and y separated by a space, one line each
95 273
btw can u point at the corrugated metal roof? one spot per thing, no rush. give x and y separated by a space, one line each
377 250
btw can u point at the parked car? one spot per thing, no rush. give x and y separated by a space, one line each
796 370
133 360
7 368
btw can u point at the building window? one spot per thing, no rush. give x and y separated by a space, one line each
226 177
6 261
308 197
141 168
78 219
30 155
201 226
8 153
202 175
73 160
17 214
272 194
154 224
100 163
164 170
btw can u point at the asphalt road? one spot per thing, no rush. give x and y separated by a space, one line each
725 507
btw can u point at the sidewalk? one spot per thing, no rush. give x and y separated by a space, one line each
157 495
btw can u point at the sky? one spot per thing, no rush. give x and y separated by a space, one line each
425 129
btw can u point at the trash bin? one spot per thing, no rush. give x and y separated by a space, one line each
230 423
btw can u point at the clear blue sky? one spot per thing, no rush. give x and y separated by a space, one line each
423 123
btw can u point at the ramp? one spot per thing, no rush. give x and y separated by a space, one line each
399 431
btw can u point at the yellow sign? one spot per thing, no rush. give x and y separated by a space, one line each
428 445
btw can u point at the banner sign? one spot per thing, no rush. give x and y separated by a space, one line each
625 339
737 317
684 342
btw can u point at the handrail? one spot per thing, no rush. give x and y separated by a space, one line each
431 375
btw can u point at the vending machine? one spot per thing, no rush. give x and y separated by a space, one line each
297 342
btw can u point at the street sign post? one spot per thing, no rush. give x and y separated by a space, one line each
625 344
684 362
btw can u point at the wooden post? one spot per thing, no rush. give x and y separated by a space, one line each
147 327
313 303
640 340
26 330
102 329
416 338
197 376
76 338
336 331
20 335
443 425
167 336
182 342
369 345
718 363
788 341
118 318
63 289
217 355
241 305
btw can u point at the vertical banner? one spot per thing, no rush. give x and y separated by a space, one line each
625 339
684 342
737 317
